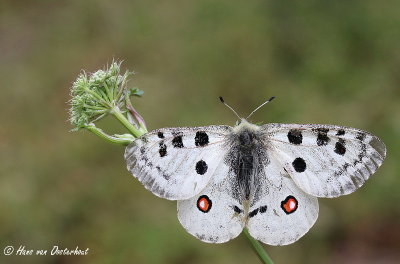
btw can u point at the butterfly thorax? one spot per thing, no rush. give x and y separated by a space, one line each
244 159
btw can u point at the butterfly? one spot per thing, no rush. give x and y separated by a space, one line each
264 178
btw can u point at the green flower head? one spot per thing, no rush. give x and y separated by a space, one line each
99 94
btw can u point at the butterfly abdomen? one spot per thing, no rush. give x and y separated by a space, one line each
244 172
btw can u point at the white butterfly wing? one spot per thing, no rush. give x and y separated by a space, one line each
325 160
283 213
213 216
177 163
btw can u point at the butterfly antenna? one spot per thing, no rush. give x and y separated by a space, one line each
269 100
222 101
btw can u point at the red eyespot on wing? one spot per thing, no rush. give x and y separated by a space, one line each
204 204
289 205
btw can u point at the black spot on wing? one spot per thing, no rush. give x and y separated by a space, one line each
299 165
163 149
295 136
340 147
253 213
360 136
322 138
237 209
201 139
177 142
201 167
160 134
340 132
263 209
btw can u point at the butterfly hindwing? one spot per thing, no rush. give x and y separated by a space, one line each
214 215
283 213
177 163
325 160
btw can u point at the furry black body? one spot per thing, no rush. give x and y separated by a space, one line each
245 160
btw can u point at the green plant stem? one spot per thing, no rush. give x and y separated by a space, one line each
132 129
109 94
258 248
98 132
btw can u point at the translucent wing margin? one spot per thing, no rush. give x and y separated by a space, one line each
177 163
325 160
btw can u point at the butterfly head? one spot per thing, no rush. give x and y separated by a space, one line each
243 124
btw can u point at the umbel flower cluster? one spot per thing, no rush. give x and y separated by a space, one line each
102 93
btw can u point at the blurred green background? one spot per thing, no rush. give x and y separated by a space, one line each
333 62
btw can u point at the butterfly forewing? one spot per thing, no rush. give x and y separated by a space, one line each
325 160
177 163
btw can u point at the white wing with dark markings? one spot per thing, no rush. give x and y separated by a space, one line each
177 163
325 160
214 215
283 213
